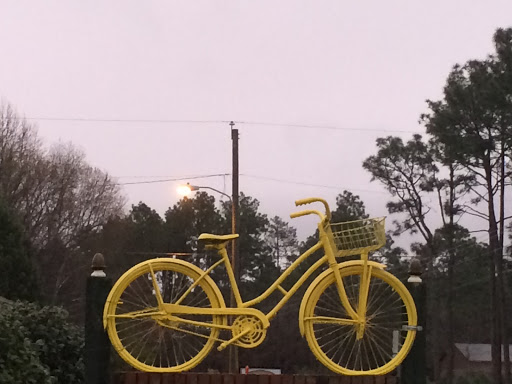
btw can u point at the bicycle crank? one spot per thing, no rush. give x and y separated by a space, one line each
253 330
248 332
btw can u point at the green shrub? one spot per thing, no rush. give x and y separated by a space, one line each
39 345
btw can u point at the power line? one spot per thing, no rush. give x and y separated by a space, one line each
148 176
247 123
175 179
329 127
136 121
338 188
171 178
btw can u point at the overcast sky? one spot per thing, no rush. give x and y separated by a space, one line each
363 68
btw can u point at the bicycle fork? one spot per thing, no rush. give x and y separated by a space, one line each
364 287
358 314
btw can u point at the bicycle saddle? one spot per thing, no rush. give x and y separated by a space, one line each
216 238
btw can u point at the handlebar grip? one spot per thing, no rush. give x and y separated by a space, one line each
304 213
309 200
297 214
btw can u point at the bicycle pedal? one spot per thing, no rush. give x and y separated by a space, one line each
231 341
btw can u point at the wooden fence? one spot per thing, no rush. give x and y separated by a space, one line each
206 378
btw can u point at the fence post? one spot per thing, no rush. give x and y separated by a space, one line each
414 370
97 345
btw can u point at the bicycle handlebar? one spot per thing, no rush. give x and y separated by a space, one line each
310 200
308 212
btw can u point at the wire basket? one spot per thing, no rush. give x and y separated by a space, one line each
359 236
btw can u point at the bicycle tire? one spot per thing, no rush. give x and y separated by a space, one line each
156 344
334 344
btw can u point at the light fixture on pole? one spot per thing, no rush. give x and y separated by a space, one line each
187 189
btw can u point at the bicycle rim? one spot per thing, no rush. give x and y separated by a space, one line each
156 344
386 339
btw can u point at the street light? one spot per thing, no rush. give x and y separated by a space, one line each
187 189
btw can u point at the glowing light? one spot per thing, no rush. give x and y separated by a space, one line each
184 190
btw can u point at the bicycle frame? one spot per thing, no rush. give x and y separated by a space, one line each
329 257
287 294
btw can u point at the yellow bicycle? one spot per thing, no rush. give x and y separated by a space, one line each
165 315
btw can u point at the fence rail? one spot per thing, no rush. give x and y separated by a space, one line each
206 378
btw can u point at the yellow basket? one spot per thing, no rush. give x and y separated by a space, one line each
359 236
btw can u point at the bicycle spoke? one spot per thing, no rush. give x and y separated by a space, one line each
372 351
148 312
331 320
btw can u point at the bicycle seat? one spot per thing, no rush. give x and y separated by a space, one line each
208 237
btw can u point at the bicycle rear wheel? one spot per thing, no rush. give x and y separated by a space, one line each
387 337
147 338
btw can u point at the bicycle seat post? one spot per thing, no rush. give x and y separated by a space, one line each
219 243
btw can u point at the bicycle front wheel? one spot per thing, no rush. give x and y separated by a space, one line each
150 340
387 335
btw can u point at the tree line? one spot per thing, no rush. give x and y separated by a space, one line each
461 170
56 211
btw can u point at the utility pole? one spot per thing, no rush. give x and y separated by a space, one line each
235 262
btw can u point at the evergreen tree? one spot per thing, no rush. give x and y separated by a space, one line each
257 269
282 238
472 123
148 229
